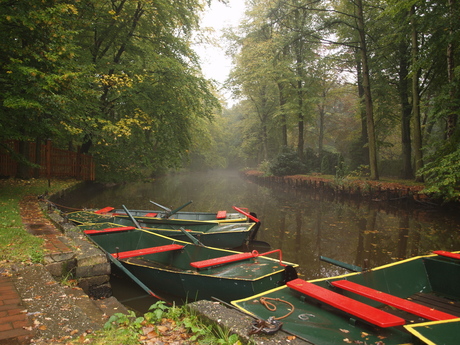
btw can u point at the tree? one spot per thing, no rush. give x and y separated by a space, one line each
36 72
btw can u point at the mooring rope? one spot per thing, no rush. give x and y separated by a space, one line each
62 206
272 307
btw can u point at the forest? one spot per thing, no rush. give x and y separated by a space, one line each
326 87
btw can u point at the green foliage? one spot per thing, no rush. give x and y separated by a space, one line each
17 244
119 79
36 66
287 163
311 160
126 329
265 167
442 175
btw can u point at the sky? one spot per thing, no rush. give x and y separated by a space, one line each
215 64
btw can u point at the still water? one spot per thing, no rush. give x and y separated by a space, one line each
304 225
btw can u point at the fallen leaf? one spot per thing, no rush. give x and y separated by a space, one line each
162 329
344 330
43 328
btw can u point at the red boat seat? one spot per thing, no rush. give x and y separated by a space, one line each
221 215
121 228
397 302
361 310
145 251
447 254
222 260
104 210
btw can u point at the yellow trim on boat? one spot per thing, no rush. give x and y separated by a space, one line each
411 329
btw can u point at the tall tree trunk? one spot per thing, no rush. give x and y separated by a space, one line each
367 95
452 118
403 88
282 100
299 56
362 111
301 140
416 99
321 129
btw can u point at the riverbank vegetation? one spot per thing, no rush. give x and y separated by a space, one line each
161 323
18 245
339 86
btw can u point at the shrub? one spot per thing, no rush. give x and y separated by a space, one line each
287 163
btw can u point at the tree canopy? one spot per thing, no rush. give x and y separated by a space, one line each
344 84
384 72
116 78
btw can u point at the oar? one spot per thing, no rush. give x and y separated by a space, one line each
133 277
349 267
161 206
179 208
129 274
136 223
250 216
191 237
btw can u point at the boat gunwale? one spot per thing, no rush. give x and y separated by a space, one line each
235 303
181 220
200 272
411 328
194 273
250 228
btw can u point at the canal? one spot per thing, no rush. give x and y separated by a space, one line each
303 225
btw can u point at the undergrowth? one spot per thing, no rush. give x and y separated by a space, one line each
16 243
162 324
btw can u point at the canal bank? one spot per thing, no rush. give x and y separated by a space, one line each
40 305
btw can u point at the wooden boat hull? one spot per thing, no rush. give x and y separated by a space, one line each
184 215
81 217
171 271
227 235
424 280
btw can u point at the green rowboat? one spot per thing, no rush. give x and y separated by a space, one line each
162 217
377 306
220 235
190 271
436 332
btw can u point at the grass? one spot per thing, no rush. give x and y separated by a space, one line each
162 323
16 244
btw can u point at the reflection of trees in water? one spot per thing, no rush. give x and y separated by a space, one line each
304 225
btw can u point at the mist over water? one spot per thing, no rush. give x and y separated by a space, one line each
304 225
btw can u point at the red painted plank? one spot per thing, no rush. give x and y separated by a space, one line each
400 303
221 215
363 311
222 260
145 251
104 210
151 214
447 254
122 228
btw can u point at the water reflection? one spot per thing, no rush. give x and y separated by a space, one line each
304 225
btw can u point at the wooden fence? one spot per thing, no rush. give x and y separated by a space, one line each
51 163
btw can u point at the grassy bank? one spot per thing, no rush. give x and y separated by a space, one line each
16 244
162 324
